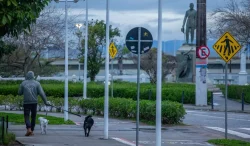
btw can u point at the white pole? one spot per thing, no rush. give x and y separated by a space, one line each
79 70
138 87
174 46
106 101
159 76
85 54
66 64
112 78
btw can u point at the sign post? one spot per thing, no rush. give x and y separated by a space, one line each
112 53
226 47
139 41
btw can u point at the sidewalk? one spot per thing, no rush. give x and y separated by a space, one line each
219 105
121 133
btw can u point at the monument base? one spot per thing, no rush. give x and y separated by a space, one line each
186 57
242 78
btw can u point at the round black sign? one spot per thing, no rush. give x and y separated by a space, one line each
144 38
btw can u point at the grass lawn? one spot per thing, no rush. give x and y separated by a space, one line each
228 142
19 119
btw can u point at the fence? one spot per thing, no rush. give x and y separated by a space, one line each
4 125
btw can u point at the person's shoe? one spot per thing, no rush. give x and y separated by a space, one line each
32 133
29 132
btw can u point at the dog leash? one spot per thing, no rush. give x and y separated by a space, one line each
64 110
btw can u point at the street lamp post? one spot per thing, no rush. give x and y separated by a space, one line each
79 34
85 54
106 99
66 116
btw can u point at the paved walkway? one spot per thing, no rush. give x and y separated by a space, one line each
121 133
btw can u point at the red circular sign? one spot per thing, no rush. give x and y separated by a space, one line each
203 52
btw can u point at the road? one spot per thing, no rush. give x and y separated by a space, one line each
238 123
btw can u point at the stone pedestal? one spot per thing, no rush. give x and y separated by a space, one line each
186 57
243 72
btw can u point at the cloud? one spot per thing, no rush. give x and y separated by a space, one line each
166 20
127 14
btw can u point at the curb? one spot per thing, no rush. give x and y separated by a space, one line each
19 142
217 110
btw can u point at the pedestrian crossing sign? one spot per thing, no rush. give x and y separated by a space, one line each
226 46
112 50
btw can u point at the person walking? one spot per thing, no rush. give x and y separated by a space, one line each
30 89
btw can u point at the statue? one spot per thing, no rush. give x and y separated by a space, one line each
190 20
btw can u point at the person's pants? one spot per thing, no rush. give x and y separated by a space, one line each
27 109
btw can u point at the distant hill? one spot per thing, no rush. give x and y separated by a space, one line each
169 47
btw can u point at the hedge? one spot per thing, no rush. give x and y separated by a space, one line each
172 112
170 91
15 102
235 92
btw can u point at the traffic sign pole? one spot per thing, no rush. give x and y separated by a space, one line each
226 66
138 87
138 40
226 47
112 80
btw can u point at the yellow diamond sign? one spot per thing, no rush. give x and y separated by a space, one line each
226 46
112 50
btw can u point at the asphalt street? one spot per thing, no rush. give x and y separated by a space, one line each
238 123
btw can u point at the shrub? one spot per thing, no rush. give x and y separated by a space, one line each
9 138
16 102
170 91
235 92
172 112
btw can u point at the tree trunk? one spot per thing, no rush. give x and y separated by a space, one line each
92 78
120 62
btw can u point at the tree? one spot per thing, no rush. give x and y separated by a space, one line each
5 49
96 43
233 17
17 15
30 48
149 64
122 50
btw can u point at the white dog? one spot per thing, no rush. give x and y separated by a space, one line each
43 124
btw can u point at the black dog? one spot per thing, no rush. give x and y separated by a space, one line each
88 123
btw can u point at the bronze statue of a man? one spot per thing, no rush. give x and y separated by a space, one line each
190 20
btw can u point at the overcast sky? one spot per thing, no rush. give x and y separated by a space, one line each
127 14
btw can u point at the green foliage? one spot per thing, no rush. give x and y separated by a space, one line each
228 142
172 92
16 102
17 15
19 119
235 92
172 112
96 42
9 138
5 49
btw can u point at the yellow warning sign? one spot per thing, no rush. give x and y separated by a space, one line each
112 50
226 46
